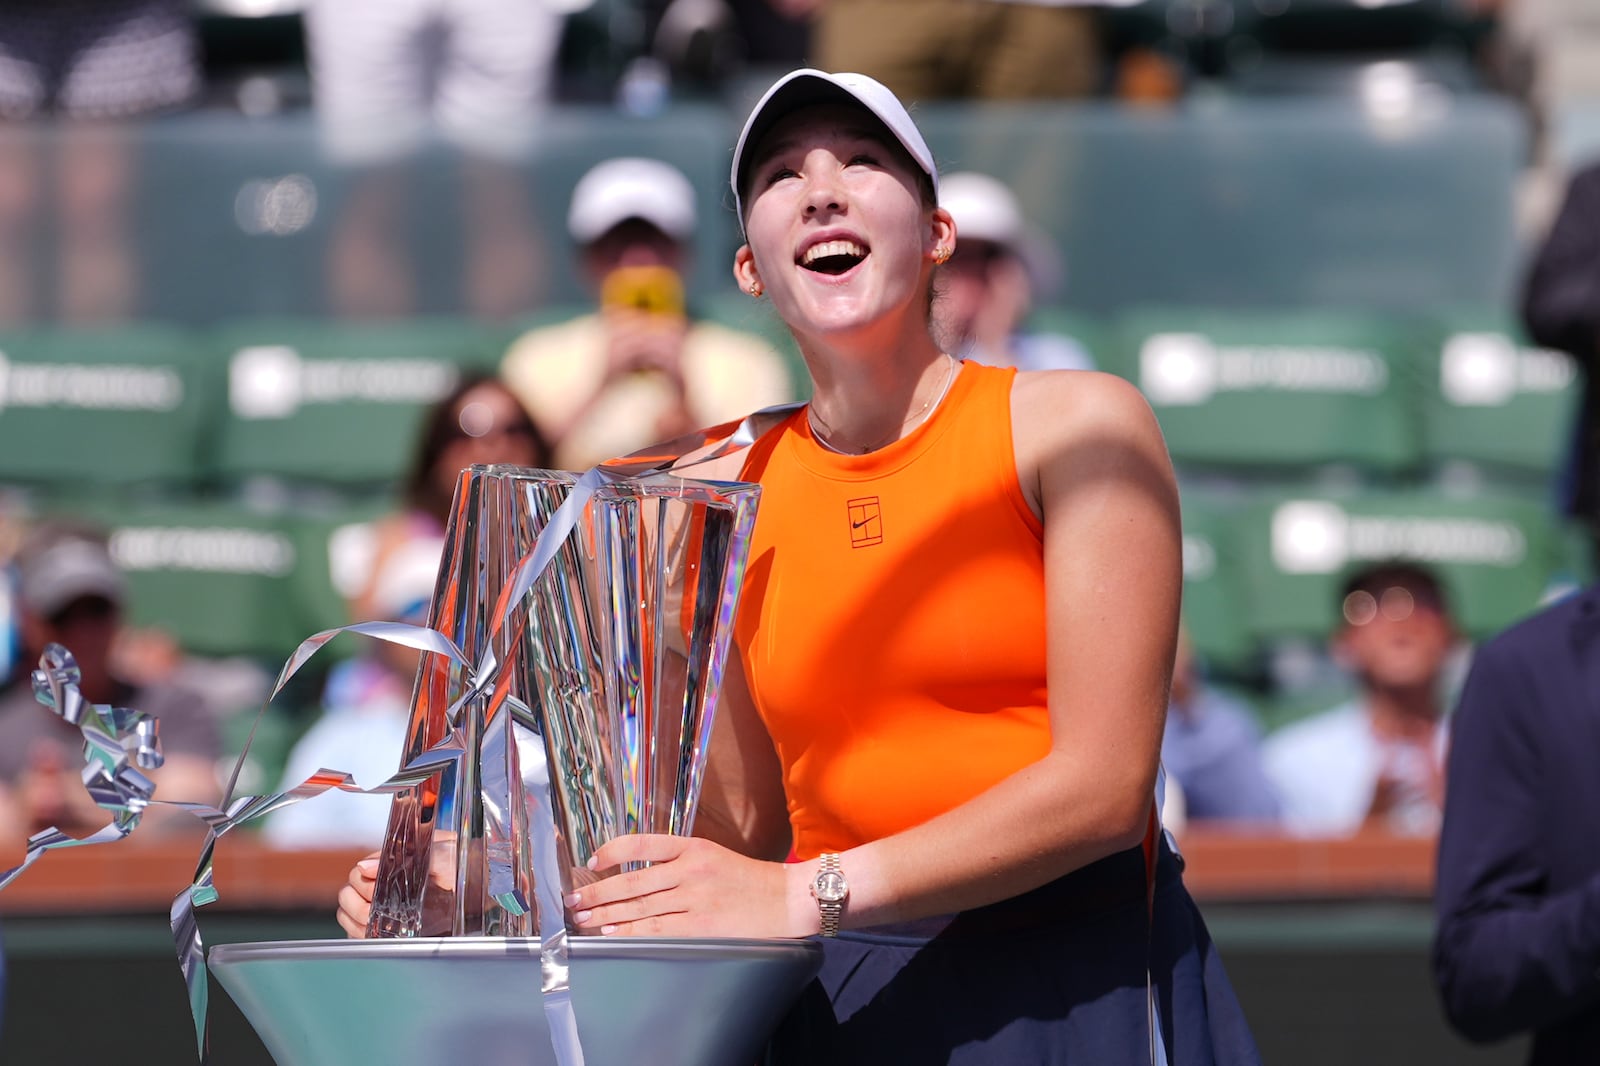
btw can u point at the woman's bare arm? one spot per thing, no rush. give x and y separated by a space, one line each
1092 461
742 805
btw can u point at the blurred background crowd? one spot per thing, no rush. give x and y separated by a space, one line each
272 271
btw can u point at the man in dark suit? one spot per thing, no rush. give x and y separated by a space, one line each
1561 310
1517 947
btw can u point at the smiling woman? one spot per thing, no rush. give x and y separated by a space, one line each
956 637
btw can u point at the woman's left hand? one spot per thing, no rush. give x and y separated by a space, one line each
692 888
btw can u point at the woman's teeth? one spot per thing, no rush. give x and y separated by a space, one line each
833 257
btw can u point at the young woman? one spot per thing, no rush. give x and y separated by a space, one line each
955 643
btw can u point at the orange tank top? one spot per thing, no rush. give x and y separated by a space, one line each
892 625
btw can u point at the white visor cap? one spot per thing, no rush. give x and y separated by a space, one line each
619 189
803 88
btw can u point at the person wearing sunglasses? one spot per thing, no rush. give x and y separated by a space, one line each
1377 760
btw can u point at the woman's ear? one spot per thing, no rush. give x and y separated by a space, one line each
941 235
745 273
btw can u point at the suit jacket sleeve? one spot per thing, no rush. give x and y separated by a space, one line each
1508 956
1561 295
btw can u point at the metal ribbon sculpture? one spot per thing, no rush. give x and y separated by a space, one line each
112 734
117 743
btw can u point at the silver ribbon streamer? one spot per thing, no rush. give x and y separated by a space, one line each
112 735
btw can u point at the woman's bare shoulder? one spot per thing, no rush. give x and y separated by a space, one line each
1066 404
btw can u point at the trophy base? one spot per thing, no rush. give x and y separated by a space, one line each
475 1001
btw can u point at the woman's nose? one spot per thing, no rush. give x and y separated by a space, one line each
824 195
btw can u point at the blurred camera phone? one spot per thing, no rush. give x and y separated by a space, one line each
652 289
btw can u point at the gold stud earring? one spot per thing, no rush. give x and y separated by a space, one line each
755 289
942 256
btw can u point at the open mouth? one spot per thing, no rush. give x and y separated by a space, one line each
833 257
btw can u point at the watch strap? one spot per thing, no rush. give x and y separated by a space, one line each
830 909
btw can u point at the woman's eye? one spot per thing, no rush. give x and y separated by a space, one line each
778 174
863 160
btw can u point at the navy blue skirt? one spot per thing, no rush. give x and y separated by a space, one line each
1059 975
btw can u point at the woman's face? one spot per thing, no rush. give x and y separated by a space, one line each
836 229
489 427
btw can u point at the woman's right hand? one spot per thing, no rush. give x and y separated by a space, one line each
438 899
355 898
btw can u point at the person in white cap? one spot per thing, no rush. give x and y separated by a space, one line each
640 369
988 288
71 592
955 639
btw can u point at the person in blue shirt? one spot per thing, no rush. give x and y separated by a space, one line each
1212 748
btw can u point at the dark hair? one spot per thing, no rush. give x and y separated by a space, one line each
1414 577
440 428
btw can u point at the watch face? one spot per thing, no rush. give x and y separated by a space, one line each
830 886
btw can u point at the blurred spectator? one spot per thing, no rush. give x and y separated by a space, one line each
1547 51
951 49
1212 749
640 369
1377 760
366 708
988 287
87 61
479 421
1517 946
1561 309
69 592
386 73
704 43
367 700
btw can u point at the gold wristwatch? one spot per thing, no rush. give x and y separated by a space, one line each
830 890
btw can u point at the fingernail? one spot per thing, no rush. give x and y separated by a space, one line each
593 863
583 917
607 930
573 898
368 866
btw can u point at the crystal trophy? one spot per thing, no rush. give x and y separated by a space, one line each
587 712
616 653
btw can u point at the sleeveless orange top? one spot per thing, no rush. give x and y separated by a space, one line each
892 625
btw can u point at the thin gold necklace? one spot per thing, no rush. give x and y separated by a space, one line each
820 429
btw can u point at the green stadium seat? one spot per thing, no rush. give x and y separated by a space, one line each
1492 400
1496 554
215 576
1270 391
1214 603
335 555
337 403
86 408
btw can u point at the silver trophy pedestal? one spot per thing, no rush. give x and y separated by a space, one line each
475 1001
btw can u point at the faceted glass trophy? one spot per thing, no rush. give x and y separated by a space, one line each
613 659
584 712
